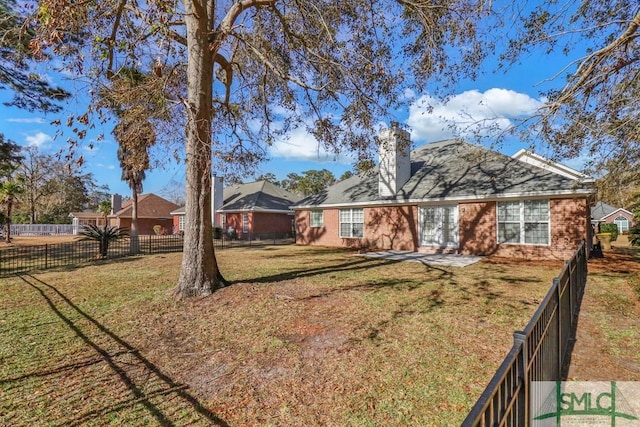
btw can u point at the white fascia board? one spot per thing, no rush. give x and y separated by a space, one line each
528 157
512 196
616 212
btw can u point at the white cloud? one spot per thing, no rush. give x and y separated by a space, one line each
38 120
109 167
300 145
468 113
38 139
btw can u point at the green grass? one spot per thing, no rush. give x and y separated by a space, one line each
304 336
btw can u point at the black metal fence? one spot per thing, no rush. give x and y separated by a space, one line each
23 259
538 352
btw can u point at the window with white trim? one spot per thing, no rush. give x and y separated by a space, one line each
223 221
524 222
317 218
181 222
622 223
352 223
245 222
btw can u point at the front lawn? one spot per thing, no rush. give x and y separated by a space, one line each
304 336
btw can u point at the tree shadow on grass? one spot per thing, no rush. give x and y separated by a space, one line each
145 384
354 265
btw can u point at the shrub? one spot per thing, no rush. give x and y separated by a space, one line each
610 228
634 235
157 229
103 235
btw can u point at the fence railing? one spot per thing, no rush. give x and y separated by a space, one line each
23 259
538 352
41 229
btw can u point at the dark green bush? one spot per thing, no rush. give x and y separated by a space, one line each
609 228
634 235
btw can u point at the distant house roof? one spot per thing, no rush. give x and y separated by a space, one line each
601 211
149 206
86 215
453 170
258 196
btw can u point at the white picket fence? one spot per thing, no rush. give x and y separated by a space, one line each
41 229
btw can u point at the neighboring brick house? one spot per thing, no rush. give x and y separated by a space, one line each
452 197
602 212
152 210
253 209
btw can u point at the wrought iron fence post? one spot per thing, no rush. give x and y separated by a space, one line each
520 340
559 311
46 256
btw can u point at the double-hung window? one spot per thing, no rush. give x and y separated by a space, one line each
524 222
245 222
317 218
352 222
181 223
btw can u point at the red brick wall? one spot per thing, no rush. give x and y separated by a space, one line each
234 220
477 226
569 225
397 228
145 225
392 228
267 222
385 228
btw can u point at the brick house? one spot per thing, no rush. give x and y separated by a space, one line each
252 209
152 210
452 197
602 212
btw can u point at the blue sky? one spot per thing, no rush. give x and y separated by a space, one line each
498 97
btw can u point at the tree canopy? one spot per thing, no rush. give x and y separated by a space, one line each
30 90
594 113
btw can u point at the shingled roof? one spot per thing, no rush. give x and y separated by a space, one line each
149 206
257 196
452 170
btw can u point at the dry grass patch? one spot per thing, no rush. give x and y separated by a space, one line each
304 336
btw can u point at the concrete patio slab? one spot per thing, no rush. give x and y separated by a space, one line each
448 260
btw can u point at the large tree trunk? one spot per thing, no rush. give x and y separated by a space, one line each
199 274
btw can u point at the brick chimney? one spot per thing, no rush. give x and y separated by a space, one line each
217 199
394 159
116 203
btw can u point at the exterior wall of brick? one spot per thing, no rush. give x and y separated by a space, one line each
234 220
477 225
327 235
270 222
391 228
145 225
397 228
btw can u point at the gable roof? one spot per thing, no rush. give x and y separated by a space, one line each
257 196
453 170
149 206
600 211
